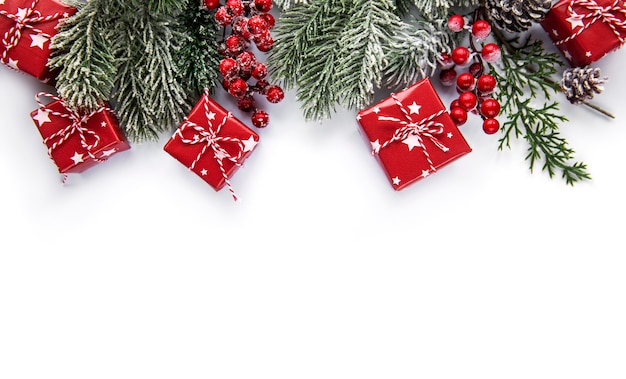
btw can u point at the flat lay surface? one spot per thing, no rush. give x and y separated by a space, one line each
136 268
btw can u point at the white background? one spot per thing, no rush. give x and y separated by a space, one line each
138 269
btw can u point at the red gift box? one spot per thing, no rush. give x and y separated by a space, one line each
411 134
26 27
212 143
586 30
76 142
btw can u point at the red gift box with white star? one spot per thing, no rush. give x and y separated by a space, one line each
585 31
212 143
77 142
411 134
26 28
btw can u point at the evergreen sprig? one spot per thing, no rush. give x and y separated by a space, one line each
337 52
524 76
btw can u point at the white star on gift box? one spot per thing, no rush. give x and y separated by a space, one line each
412 141
449 135
576 21
425 173
13 63
567 55
396 181
588 54
1 2
204 172
38 40
42 116
376 110
375 145
103 124
211 116
21 13
249 144
77 158
108 153
414 108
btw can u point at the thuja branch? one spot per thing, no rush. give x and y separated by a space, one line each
537 124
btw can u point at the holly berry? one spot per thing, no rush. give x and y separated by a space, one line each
274 94
229 67
491 126
445 61
490 52
486 84
223 17
481 29
265 45
465 82
475 69
269 20
257 25
461 55
235 44
260 118
238 87
259 71
447 77
490 108
234 7
246 61
468 101
246 103
458 115
456 23
211 4
263 5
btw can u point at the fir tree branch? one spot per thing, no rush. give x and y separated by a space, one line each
82 52
518 92
149 98
198 58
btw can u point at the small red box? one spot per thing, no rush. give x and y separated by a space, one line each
585 31
27 48
76 143
411 134
212 143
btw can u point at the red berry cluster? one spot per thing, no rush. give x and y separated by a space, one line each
249 22
475 86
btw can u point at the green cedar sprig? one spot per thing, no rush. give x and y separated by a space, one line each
523 74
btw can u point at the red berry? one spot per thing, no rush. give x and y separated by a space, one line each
445 61
459 115
263 5
226 83
475 69
240 27
259 71
486 83
228 67
211 4
269 20
447 77
235 44
468 101
274 94
490 108
265 45
481 29
235 7
260 118
246 60
461 55
465 82
491 52
246 103
222 17
456 23
455 104
238 87
491 126
261 86
257 25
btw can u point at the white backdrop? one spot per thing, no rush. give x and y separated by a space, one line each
138 269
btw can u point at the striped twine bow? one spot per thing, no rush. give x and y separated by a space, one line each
25 18
211 139
607 15
427 127
76 125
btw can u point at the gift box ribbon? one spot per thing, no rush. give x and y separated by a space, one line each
24 18
606 14
426 128
211 139
76 126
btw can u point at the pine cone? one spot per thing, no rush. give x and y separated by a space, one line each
516 16
581 84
